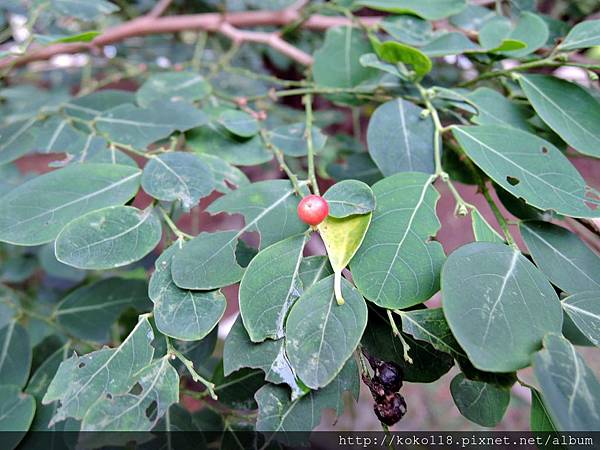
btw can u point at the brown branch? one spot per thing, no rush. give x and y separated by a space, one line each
210 22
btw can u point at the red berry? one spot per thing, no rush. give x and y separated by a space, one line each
313 209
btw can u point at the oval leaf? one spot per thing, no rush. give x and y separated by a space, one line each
16 414
172 86
567 108
397 266
239 123
178 176
349 197
399 139
584 310
15 355
562 256
498 305
269 288
36 211
583 35
291 139
570 390
528 167
321 335
482 230
482 403
182 314
108 238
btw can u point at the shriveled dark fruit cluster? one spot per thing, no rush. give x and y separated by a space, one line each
389 406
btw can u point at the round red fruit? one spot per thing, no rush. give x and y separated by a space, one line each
313 209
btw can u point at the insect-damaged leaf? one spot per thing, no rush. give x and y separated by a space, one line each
269 288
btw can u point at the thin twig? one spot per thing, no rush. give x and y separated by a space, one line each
309 144
159 9
398 334
189 365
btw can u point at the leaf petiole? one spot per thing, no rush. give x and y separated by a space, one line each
337 287
189 365
396 332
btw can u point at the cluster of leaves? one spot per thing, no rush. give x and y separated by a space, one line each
77 249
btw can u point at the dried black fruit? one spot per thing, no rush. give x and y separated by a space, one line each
390 375
390 409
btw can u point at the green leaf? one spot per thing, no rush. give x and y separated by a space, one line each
16 414
583 35
269 207
494 35
562 256
314 269
428 364
400 139
429 325
472 17
336 63
292 420
15 355
237 390
528 167
83 9
482 403
140 127
55 268
540 419
530 29
86 36
357 166
214 140
172 86
36 211
226 176
269 356
494 298
342 238
495 109
269 288
482 230
453 43
90 106
291 139
159 384
373 61
397 266
207 262
349 197
427 9
9 304
567 108
408 29
321 335
178 176
89 311
584 310
570 389
82 381
108 238
185 315
239 123
395 52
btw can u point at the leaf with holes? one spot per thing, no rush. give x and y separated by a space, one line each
495 299
397 266
179 313
269 356
569 388
89 311
36 211
400 139
291 420
82 381
567 108
529 167
482 403
321 335
562 256
108 238
584 310
269 288
178 176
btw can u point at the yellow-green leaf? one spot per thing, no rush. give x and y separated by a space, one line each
342 238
